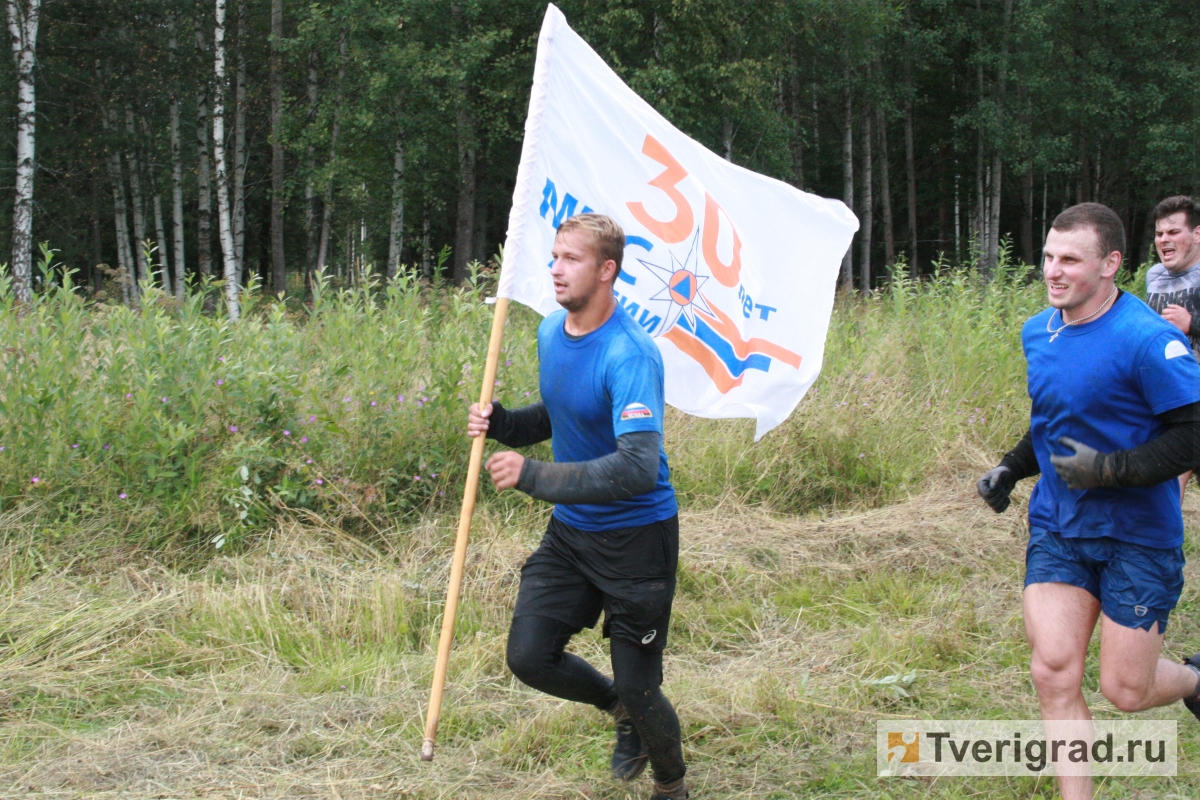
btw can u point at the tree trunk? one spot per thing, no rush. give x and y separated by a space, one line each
203 171
797 115
868 224
979 218
426 260
993 237
135 186
120 212
164 259
1027 214
997 171
480 245
161 233
727 138
885 189
224 216
239 147
847 276
910 164
176 174
464 228
327 205
278 264
396 231
95 276
23 28
310 192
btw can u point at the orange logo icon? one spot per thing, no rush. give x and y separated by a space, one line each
904 748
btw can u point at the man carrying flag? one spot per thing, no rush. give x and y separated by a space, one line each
612 544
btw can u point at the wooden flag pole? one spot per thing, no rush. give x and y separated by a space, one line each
474 467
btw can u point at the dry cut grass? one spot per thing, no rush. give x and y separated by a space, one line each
301 667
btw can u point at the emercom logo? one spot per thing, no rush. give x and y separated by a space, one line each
1026 747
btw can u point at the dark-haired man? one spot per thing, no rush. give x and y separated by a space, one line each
1115 397
1173 284
613 541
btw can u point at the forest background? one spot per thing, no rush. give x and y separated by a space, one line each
386 133
224 545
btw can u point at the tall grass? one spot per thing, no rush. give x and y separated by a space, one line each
174 424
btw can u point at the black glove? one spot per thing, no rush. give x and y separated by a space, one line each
995 486
1083 470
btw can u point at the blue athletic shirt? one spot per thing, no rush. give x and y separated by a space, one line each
604 384
1102 383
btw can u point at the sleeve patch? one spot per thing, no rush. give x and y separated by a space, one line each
1175 349
635 411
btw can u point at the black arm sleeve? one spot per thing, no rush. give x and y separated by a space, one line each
1174 452
520 428
1021 459
630 471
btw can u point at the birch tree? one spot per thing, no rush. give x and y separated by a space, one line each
135 187
23 29
224 218
239 146
176 164
120 212
203 169
396 232
327 204
278 264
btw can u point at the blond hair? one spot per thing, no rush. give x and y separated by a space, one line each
608 240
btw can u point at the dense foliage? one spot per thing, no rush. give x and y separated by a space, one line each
169 424
984 118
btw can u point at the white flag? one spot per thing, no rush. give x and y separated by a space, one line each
731 272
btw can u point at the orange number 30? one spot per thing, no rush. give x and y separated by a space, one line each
677 229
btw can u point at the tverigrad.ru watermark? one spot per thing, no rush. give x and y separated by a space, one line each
1026 747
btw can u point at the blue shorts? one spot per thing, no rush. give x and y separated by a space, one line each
1136 585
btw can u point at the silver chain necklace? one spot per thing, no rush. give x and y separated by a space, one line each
1066 325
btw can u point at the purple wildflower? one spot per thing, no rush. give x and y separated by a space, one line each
287 433
312 419
416 477
308 461
128 396
122 495
35 479
220 358
320 482
373 403
74 447
105 447
163 399
346 400
303 439
220 382
233 428
400 398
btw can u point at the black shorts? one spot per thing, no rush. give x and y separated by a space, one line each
629 573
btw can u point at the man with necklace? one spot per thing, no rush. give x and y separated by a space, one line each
1115 399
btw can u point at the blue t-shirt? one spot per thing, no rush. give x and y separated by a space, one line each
1102 383
596 388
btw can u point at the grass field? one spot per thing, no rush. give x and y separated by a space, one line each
139 660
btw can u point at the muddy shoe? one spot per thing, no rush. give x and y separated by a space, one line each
670 791
1193 701
629 756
